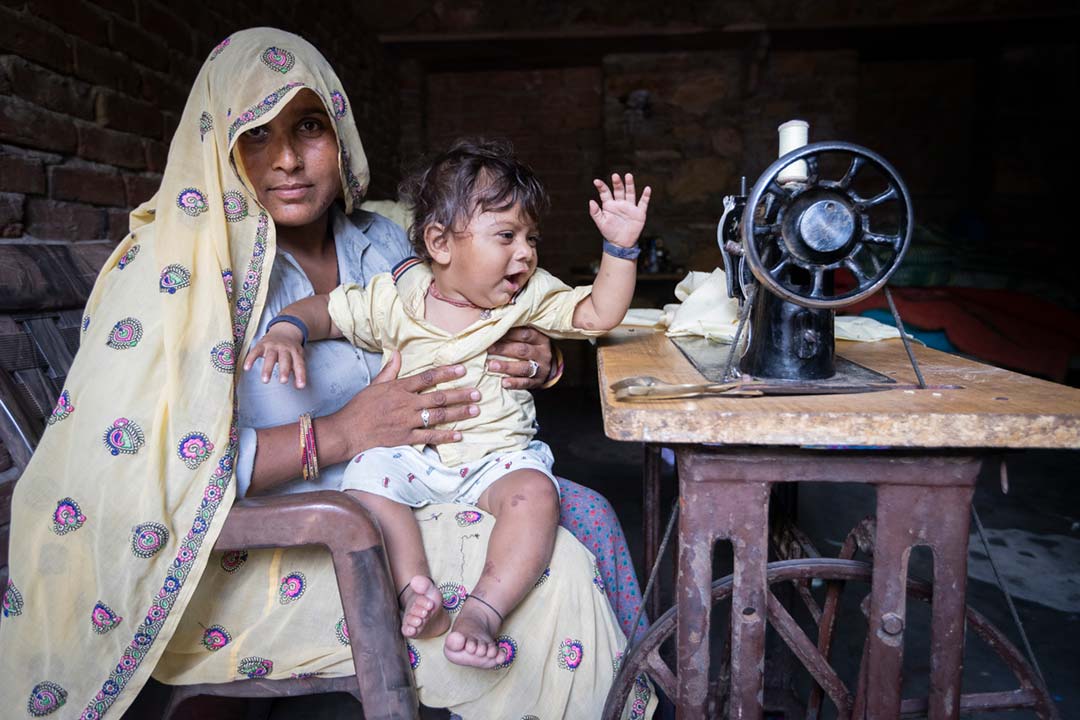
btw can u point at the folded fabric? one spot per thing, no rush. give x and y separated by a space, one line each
706 310
643 317
863 329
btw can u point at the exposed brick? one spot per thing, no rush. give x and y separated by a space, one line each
138 44
21 173
140 188
75 17
46 88
11 215
170 121
30 38
22 123
161 90
157 153
87 184
212 28
118 112
118 224
110 147
55 220
204 43
184 69
727 141
104 67
123 8
164 24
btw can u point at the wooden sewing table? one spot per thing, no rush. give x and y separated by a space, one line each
929 445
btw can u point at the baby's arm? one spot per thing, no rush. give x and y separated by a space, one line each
620 218
283 343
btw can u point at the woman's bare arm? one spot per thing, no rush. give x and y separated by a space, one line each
384 414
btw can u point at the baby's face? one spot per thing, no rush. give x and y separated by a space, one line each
494 256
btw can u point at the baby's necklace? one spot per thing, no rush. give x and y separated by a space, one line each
485 313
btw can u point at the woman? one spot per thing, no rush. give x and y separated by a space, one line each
115 517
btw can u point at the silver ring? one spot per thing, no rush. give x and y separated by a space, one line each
425 417
534 367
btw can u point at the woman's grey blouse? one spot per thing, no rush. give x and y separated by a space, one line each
367 244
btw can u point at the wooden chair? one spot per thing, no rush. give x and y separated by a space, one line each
42 291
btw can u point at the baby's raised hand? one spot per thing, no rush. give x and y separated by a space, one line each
620 216
281 346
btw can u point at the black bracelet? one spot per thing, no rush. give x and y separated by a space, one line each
490 606
295 322
623 253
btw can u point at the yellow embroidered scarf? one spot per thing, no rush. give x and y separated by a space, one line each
114 518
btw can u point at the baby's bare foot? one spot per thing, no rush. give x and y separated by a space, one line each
423 616
471 642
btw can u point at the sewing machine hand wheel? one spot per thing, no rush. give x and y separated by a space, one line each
795 235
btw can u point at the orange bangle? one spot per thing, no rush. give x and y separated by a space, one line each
556 371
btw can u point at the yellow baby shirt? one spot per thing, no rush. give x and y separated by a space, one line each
388 315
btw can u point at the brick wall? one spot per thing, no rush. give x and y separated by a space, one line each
554 118
974 133
90 93
686 123
692 123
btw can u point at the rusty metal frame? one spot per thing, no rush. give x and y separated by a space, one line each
923 499
646 655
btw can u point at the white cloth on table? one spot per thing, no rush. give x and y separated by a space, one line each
704 309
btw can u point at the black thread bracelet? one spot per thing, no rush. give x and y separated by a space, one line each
490 606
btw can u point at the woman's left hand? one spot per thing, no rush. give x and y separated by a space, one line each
531 363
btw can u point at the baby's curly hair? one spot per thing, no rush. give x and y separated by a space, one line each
474 173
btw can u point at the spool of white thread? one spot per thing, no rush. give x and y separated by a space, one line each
793 135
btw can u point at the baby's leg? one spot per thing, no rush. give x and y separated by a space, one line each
422 602
526 507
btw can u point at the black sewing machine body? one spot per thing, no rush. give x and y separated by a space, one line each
785 244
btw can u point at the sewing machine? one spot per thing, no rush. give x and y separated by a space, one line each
824 226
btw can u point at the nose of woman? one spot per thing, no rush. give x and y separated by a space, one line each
285 153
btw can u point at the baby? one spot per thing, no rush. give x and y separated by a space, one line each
477 211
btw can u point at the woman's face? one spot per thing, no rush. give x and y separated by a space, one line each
292 162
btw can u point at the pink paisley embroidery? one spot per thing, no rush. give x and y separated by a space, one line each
194 448
67 517
468 517
453 595
510 647
292 587
63 408
571 654
103 618
215 638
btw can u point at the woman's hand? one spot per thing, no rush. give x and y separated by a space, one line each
531 366
391 412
